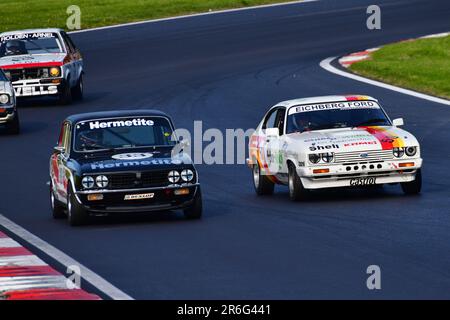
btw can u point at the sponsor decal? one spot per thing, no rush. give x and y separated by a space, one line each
346 105
121 123
35 91
139 196
324 147
128 164
132 156
22 36
360 143
387 140
363 181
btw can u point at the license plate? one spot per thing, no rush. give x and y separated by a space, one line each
139 196
363 181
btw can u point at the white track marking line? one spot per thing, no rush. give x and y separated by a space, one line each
194 15
87 274
326 64
32 282
8 243
21 261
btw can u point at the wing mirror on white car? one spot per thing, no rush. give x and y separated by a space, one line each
272 133
398 122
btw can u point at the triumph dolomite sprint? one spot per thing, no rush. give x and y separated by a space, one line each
42 62
9 116
332 141
119 162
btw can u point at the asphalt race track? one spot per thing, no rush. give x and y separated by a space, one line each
226 70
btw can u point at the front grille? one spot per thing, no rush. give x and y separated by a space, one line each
368 156
131 180
24 74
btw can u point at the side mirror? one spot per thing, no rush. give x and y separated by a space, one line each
398 122
58 149
272 133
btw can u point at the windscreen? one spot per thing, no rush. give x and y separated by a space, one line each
335 115
30 43
118 133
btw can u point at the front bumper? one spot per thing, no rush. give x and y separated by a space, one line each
38 87
8 116
346 175
164 198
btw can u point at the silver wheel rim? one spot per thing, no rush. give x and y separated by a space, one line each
256 175
291 183
52 199
81 84
69 208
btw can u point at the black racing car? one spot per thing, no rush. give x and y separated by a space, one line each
121 161
9 116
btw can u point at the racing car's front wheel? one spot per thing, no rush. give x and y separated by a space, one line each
296 190
76 214
65 96
415 186
57 207
196 209
14 126
262 184
77 91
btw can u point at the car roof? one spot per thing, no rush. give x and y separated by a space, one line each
56 30
115 114
325 99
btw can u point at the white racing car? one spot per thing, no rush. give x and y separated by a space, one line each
42 62
332 141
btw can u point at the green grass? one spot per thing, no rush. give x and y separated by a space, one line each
422 65
20 14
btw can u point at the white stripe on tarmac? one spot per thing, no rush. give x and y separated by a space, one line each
194 15
33 282
21 261
86 274
326 64
8 243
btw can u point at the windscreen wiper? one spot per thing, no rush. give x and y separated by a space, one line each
370 121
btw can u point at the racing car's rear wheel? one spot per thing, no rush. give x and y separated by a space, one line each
196 209
57 207
296 190
14 126
262 184
77 91
415 186
65 96
76 214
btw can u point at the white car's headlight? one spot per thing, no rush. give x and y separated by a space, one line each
87 182
187 175
327 157
173 176
398 152
4 98
102 181
314 158
411 151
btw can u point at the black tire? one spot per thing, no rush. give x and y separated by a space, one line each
76 214
14 126
57 207
262 184
65 97
195 211
77 91
296 190
415 186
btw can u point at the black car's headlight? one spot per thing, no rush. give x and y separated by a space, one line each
314 158
173 176
88 182
327 157
187 175
411 151
102 181
398 152
4 98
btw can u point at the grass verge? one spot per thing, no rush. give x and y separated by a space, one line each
96 13
422 65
